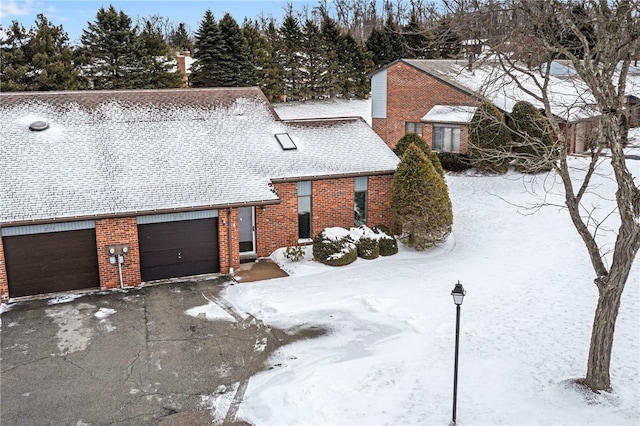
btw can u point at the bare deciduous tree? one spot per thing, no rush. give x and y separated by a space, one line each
601 65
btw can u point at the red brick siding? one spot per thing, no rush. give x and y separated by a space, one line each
229 256
112 232
4 282
332 202
410 95
277 225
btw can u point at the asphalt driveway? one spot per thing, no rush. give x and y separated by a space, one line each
131 357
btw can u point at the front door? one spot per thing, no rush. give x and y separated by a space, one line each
247 230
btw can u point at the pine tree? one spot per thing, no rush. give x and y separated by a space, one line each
158 67
331 35
315 59
14 62
533 143
419 42
488 139
386 45
39 59
207 55
289 56
355 64
180 38
112 47
274 38
236 69
261 52
447 40
412 138
420 201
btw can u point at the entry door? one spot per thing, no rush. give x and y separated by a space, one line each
247 230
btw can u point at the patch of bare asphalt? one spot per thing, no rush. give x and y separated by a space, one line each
132 357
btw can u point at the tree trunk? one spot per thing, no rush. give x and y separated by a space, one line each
604 323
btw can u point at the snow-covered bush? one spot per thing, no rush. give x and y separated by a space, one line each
387 244
366 242
334 247
294 253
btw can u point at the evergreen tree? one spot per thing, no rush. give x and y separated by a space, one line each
261 52
315 59
289 55
274 38
419 43
355 64
157 65
413 138
331 36
207 55
420 201
14 62
488 139
447 40
111 46
39 59
180 39
386 45
533 143
236 68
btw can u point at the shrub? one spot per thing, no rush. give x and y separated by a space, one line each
334 247
533 144
420 201
454 162
488 139
417 140
387 244
368 248
294 253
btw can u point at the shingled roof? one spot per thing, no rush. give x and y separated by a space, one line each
134 152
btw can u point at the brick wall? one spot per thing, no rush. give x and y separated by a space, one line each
113 232
332 202
410 95
277 225
228 248
4 282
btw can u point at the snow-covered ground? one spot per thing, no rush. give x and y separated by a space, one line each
388 356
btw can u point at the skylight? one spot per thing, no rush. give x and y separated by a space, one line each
285 141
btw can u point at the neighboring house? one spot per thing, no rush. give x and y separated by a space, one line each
172 183
437 98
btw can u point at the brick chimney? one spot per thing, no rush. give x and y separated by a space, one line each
182 65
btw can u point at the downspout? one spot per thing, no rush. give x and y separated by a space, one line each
229 242
120 262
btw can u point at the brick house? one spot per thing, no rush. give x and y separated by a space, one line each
104 189
437 99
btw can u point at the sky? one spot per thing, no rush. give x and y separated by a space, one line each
74 15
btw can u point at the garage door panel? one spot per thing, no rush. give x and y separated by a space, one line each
51 262
178 248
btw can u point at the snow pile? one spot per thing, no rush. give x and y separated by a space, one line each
387 357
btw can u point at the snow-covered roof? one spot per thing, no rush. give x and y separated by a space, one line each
126 152
570 98
453 114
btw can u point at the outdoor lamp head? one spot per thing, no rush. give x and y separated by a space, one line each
458 294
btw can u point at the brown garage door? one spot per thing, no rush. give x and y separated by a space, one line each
51 262
179 248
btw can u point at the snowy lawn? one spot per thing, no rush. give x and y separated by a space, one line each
388 355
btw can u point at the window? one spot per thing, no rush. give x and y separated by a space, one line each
304 209
413 127
360 207
446 138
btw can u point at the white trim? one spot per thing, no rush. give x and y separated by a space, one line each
176 217
47 227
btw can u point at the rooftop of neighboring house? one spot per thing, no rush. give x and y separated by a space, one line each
486 79
128 152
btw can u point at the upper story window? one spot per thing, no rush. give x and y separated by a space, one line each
304 209
413 128
446 138
360 206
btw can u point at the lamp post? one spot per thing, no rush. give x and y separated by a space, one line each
458 294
